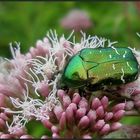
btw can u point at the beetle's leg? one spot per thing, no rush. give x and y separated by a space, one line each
70 91
65 88
84 92
115 96
81 92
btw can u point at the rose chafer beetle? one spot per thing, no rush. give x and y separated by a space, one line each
95 68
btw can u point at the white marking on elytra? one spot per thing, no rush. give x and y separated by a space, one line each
122 76
110 56
90 53
113 66
115 50
129 65
124 54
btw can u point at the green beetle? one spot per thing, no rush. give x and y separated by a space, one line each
95 68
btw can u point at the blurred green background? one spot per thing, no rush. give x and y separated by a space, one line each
26 22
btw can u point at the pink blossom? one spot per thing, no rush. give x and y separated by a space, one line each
75 117
30 90
76 20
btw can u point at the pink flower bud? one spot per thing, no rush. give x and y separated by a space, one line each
26 137
136 91
83 103
118 115
3 100
76 98
2 124
100 112
44 89
9 91
80 113
33 52
119 106
58 110
28 55
62 122
47 123
39 43
65 43
105 130
137 103
99 124
92 115
19 132
129 105
129 89
136 97
73 106
87 136
54 129
4 116
104 102
76 48
115 126
95 103
66 101
108 116
70 116
46 40
61 94
6 136
55 135
41 47
4 90
84 122
41 50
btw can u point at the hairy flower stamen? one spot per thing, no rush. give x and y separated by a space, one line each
27 109
59 45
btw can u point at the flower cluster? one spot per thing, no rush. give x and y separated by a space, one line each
131 91
77 117
29 90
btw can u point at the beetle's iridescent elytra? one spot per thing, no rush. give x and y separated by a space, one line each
94 68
